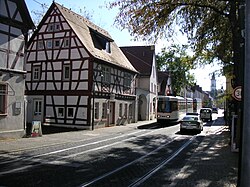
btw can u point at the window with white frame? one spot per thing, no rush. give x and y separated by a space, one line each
36 73
37 107
3 98
66 71
96 110
104 110
106 74
70 112
60 112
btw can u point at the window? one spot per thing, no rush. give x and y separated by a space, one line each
57 26
66 72
120 110
127 80
37 107
104 110
3 98
100 41
60 112
57 43
70 112
40 45
108 47
66 42
51 27
36 73
96 110
106 74
49 44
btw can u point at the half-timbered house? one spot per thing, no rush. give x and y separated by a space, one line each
77 76
15 21
144 61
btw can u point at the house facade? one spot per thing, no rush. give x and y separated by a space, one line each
77 76
15 22
144 60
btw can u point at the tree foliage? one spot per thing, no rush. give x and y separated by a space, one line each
211 26
175 60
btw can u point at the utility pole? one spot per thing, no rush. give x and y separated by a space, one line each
245 153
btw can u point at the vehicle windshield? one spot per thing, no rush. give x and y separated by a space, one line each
190 118
167 106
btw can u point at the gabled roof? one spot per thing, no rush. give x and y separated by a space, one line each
141 57
83 28
27 21
162 76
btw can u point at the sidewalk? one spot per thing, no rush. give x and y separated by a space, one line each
213 164
12 145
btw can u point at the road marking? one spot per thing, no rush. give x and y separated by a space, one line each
126 165
162 164
72 155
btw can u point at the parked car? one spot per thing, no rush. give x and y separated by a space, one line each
206 114
191 122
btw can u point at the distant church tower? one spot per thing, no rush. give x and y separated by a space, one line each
213 86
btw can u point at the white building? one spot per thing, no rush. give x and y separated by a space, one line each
15 22
77 75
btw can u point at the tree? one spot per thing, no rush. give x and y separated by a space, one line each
212 27
175 60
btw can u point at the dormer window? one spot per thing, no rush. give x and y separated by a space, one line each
101 41
108 47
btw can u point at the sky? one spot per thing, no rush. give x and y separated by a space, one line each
104 18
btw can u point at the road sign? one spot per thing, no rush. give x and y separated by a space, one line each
237 93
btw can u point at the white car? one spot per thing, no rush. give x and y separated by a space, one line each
191 122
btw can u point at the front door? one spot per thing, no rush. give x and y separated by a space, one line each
111 113
37 109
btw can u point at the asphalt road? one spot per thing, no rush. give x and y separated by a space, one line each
149 155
